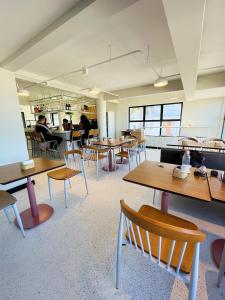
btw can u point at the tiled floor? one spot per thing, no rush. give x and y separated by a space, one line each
72 255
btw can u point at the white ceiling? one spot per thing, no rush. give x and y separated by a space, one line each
182 40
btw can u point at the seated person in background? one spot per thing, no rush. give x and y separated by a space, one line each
86 126
42 127
67 125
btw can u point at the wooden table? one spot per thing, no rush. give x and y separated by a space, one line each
112 145
37 213
159 176
217 191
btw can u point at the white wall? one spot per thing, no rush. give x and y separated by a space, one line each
13 144
203 117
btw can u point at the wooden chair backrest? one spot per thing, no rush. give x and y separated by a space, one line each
76 134
74 159
38 137
91 133
96 132
161 228
167 238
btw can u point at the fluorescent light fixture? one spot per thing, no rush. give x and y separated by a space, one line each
160 82
23 92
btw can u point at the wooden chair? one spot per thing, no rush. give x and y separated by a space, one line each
76 137
41 146
141 147
96 154
172 242
91 137
8 201
128 151
97 134
222 268
74 166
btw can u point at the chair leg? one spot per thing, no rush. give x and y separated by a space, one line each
6 214
194 274
65 193
49 188
145 152
119 250
69 182
129 160
84 174
222 268
154 195
19 221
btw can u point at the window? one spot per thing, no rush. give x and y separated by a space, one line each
54 119
157 120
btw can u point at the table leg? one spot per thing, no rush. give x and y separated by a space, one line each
37 213
111 167
217 250
164 202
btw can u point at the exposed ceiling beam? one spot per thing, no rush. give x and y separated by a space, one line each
68 25
185 20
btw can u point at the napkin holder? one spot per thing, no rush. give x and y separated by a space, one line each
27 164
180 173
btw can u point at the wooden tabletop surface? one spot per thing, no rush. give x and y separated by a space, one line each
217 188
114 143
159 176
12 172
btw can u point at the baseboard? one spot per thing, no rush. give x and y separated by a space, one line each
18 188
152 147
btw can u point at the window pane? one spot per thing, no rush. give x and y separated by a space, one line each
55 119
171 111
152 128
171 128
136 113
152 112
136 125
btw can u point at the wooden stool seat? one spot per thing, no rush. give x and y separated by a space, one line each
171 220
122 154
63 174
6 199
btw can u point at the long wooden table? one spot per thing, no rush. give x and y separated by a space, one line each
37 213
159 176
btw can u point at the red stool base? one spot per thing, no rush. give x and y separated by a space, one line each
217 250
29 221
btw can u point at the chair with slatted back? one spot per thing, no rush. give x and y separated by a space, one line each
8 201
172 242
96 154
128 151
74 166
91 138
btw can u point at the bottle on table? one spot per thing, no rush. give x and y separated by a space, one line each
186 160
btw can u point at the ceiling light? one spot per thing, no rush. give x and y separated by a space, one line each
160 82
84 70
23 92
94 91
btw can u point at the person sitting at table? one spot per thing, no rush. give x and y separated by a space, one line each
42 127
67 125
86 126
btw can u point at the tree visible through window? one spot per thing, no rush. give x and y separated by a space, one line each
157 120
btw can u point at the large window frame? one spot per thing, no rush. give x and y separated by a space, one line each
144 121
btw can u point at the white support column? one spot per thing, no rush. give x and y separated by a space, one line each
101 115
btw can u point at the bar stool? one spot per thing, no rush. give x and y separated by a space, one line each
7 201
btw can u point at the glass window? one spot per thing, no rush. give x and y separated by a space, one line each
54 119
152 128
157 120
136 125
170 128
171 111
153 112
136 113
